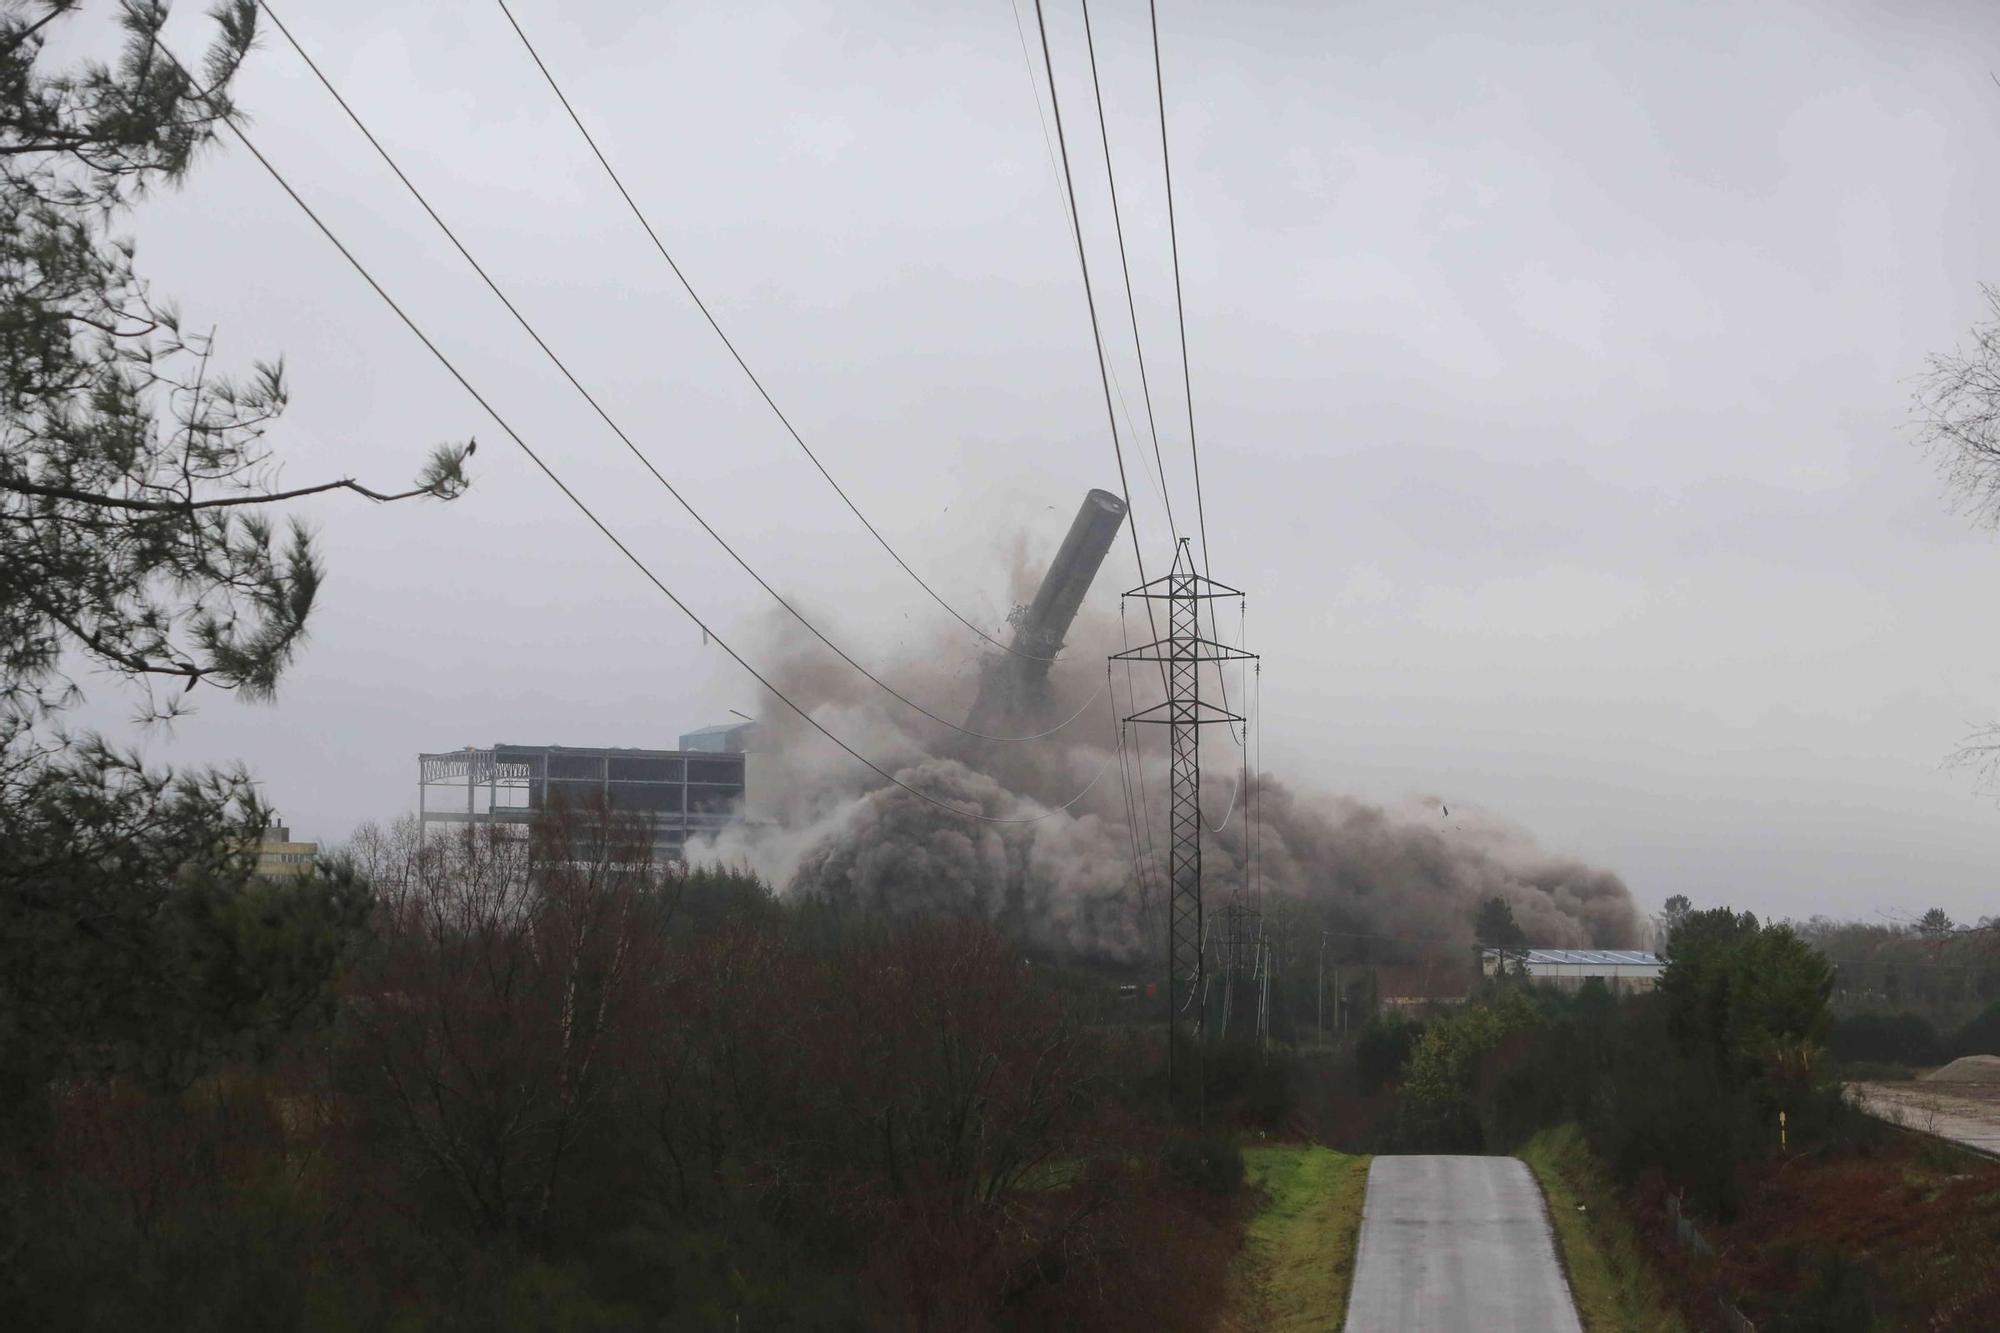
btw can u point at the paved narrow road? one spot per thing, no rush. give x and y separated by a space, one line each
1457 1245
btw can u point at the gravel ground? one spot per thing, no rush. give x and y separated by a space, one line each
1965 1113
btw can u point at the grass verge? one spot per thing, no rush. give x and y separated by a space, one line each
1298 1251
1614 1288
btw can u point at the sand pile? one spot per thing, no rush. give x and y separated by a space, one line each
1968 1069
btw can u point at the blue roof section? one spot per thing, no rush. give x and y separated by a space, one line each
724 738
1593 957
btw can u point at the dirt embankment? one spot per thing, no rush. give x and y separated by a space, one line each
1967 1069
1913 1231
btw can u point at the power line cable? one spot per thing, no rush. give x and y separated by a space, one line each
1062 201
1125 267
611 422
1141 871
1180 319
1243 747
1206 975
1128 761
1180 312
577 500
1242 777
1125 781
1096 331
1141 880
1138 747
744 365
1257 793
1035 90
1227 812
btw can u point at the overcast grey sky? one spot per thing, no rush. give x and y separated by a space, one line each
1550 362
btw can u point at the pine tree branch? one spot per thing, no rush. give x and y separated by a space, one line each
184 506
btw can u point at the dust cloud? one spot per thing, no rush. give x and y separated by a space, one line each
1085 877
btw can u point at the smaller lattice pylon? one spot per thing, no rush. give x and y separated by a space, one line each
1239 959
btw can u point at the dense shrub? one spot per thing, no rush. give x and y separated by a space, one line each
1980 1035
575 1091
1839 1298
1686 1083
1211 1163
1547 1075
1868 1071
1905 1039
1440 1107
1252 1087
1383 1049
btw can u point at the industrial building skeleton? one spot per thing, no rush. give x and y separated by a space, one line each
684 792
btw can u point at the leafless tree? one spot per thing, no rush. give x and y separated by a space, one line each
506 965
1957 412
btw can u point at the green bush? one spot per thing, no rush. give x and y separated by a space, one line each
1210 1163
1867 1071
1980 1035
1250 1086
1905 1039
1440 1107
1383 1049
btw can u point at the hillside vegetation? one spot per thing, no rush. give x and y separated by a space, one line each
1299 1247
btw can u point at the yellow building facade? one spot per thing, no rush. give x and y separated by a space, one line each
278 857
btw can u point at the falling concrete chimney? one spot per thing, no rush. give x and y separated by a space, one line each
1013 686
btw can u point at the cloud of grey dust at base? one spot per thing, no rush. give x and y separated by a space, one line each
1072 882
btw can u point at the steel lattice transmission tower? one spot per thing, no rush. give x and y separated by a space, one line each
1184 713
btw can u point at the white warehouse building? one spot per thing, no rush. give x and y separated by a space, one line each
1621 970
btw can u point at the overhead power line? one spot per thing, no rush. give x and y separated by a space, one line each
1035 89
609 421
1089 296
1141 865
1180 319
742 364
1257 792
1125 267
1055 172
1138 751
1180 311
576 500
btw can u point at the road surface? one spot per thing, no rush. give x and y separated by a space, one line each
1457 1245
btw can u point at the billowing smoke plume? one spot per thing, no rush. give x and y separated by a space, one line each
1078 879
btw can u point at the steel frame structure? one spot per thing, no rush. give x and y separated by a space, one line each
1183 652
683 792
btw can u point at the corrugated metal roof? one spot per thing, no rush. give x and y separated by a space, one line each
1590 957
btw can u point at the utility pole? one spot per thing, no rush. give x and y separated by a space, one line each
1184 714
1266 959
1269 948
1319 991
